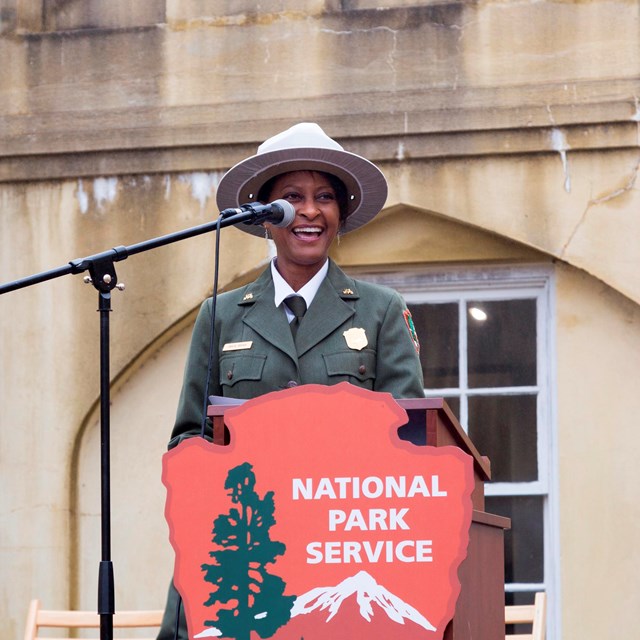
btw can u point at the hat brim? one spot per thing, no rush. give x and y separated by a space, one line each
365 183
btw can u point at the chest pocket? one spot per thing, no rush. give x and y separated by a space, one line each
351 364
241 368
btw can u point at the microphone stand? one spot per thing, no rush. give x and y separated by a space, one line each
102 275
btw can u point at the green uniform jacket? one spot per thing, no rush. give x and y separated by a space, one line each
254 352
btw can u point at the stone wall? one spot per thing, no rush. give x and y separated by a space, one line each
510 129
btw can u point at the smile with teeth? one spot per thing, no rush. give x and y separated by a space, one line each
309 231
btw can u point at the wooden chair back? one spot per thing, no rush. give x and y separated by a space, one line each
534 615
38 619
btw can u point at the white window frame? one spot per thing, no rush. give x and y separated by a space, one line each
420 284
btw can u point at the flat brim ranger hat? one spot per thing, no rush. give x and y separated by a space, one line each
306 147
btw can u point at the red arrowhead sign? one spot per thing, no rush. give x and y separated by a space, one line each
317 522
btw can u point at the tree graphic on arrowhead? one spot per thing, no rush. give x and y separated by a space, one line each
250 598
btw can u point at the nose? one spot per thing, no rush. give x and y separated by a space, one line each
308 208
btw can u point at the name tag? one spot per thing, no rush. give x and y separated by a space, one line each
237 346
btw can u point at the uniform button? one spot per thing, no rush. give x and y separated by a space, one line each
362 369
229 375
291 384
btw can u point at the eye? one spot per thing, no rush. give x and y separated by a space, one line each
326 196
291 195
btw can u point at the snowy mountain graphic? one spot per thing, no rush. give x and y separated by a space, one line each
367 593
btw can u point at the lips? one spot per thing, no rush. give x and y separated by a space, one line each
307 232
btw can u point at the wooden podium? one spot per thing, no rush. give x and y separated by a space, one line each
479 613
480 608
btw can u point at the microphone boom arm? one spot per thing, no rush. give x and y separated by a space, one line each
98 264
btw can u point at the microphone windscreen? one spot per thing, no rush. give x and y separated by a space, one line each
288 213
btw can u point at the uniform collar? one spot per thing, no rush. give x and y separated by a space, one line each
335 296
308 291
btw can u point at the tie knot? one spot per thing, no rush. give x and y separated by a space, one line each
297 305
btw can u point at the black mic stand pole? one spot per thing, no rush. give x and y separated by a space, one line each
102 275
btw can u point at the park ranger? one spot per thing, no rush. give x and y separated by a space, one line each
303 320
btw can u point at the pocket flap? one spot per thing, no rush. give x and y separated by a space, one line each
237 368
359 364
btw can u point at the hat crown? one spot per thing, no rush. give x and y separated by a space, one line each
303 135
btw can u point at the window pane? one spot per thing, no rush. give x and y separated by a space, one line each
523 543
501 343
519 597
505 429
437 328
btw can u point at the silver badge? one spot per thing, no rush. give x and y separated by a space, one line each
356 338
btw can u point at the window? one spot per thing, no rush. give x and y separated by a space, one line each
486 347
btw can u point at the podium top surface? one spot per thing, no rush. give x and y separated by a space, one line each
446 423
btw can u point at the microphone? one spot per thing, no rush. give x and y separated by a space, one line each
279 213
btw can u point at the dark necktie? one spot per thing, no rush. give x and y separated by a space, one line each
298 307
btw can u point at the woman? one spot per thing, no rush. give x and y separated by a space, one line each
351 330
